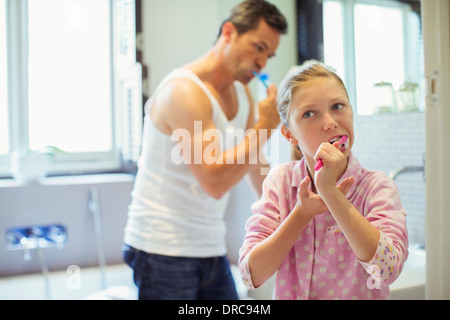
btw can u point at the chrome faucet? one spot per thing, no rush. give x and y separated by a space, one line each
408 169
37 238
29 238
26 250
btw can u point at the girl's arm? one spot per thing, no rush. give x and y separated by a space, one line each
377 236
361 235
267 256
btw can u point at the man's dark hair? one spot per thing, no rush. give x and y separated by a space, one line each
246 16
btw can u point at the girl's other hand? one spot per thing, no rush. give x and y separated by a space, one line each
311 203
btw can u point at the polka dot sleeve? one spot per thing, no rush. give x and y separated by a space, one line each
385 264
245 273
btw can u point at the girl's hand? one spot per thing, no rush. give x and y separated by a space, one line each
311 203
334 165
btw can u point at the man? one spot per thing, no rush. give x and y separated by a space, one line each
175 235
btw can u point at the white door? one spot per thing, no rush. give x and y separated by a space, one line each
436 32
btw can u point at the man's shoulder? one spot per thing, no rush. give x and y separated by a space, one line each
179 101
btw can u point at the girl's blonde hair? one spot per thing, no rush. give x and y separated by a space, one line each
310 70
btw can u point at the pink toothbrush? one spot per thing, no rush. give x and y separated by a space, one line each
319 163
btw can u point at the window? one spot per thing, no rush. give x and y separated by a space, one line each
69 75
374 46
73 82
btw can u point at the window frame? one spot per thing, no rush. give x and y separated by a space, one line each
17 99
349 62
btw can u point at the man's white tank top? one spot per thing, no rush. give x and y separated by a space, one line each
170 214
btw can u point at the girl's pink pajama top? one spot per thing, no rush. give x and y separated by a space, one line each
321 264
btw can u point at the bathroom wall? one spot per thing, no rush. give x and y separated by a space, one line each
64 200
388 141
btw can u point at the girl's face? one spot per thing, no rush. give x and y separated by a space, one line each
320 112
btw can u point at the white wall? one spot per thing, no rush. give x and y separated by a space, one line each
176 32
388 142
179 31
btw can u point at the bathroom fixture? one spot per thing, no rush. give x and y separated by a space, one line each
37 238
407 169
94 209
28 238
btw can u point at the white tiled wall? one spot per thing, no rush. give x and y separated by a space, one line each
389 141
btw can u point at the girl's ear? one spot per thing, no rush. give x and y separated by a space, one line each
288 135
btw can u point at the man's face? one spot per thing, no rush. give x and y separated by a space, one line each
250 51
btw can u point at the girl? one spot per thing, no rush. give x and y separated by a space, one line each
335 233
